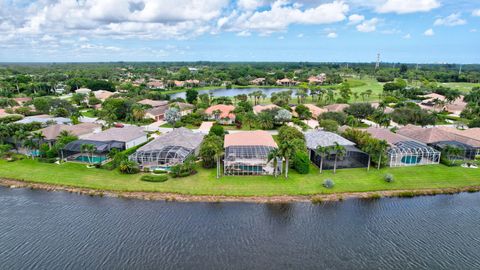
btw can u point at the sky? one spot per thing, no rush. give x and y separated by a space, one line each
407 31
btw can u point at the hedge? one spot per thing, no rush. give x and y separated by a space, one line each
154 178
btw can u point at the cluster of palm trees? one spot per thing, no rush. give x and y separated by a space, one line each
284 151
339 151
89 150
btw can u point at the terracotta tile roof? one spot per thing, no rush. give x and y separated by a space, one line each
103 94
250 138
260 108
53 131
339 107
156 111
153 103
225 110
316 111
437 134
385 134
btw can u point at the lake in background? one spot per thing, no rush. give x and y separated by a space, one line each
222 92
58 230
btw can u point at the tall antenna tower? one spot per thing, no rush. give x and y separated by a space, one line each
377 65
460 70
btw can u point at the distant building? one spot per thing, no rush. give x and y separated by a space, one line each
153 103
260 108
22 100
83 91
45 119
81 130
338 107
103 94
155 84
286 82
319 79
258 81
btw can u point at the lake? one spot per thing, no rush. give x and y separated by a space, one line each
59 230
222 92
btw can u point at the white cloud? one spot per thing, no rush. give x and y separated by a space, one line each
407 36
453 19
429 32
355 18
407 6
368 25
281 14
281 37
476 13
300 35
332 35
244 34
250 4
473 30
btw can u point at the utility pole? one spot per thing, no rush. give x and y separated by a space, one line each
460 70
377 65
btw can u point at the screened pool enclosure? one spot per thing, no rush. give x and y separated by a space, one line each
74 151
250 160
410 153
164 157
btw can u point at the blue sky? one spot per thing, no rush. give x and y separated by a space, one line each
415 31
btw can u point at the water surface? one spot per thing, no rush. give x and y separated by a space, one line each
57 230
222 92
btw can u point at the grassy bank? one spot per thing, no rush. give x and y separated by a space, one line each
204 182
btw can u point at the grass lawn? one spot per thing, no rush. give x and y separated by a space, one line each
359 86
463 87
88 113
168 125
204 182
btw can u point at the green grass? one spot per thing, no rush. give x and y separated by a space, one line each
89 113
361 85
204 182
189 126
463 87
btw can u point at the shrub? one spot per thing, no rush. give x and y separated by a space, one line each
406 194
47 160
158 171
388 178
328 183
301 163
316 200
329 125
129 167
154 178
374 196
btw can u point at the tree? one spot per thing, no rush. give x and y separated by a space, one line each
339 151
287 149
360 110
274 155
303 112
218 130
210 146
191 96
249 119
30 145
172 116
283 116
89 149
265 120
329 125
322 152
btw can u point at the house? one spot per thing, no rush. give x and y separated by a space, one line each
168 149
246 153
221 113
83 91
258 81
45 119
81 130
153 103
404 151
156 113
178 83
22 100
337 107
387 109
192 83
185 108
155 84
441 137
353 158
260 108
59 89
286 82
437 102
103 94
319 79
315 110
129 136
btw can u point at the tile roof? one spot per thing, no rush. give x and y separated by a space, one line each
153 103
325 138
338 107
385 134
125 134
259 108
53 131
436 134
315 110
250 138
225 110
183 137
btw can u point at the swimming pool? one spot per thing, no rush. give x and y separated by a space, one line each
87 159
411 159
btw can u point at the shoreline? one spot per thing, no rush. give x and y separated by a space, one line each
161 196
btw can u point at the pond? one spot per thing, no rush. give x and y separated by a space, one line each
59 230
222 92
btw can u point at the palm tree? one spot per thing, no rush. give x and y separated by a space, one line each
39 137
218 155
19 136
322 152
381 148
274 155
30 145
89 149
340 151
286 149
